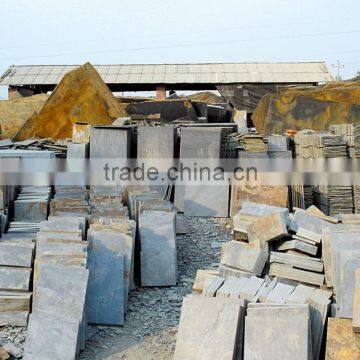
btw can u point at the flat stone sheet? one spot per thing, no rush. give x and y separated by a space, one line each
341 342
106 292
206 200
244 257
14 318
116 243
282 335
15 255
209 329
309 222
349 263
51 336
32 210
12 278
158 248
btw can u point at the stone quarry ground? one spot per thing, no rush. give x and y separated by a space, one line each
153 313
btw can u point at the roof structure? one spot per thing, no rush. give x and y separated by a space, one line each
172 74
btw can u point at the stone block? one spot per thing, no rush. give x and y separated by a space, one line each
267 228
297 261
14 318
14 301
287 272
298 245
244 257
201 275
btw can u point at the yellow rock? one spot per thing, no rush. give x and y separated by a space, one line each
341 342
308 108
15 112
81 96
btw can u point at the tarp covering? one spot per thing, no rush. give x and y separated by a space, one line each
80 96
308 108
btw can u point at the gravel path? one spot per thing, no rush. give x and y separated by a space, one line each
153 313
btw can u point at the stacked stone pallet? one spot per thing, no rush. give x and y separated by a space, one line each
70 201
346 130
60 290
278 147
111 238
311 144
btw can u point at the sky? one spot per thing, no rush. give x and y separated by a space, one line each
179 31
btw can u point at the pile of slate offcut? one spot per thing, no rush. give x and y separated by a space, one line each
297 275
57 325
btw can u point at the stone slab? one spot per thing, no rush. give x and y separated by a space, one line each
267 228
296 261
12 278
299 246
51 336
210 328
287 272
14 301
106 290
279 293
244 257
15 255
341 342
206 200
34 210
356 302
200 278
158 248
14 318
292 344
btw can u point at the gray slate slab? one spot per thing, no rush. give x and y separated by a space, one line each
51 336
158 248
13 278
15 255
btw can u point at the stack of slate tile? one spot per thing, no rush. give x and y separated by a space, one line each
278 147
251 212
60 288
356 129
15 276
346 130
111 240
32 204
70 201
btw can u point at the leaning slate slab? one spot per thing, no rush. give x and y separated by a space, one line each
106 291
210 328
51 336
158 248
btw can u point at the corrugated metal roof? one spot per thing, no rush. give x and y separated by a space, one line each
219 73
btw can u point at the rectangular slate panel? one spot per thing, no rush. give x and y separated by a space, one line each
15 255
110 142
33 210
12 278
210 328
158 248
106 293
206 200
156 142
51 336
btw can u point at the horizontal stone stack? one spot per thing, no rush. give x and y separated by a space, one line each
60 290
